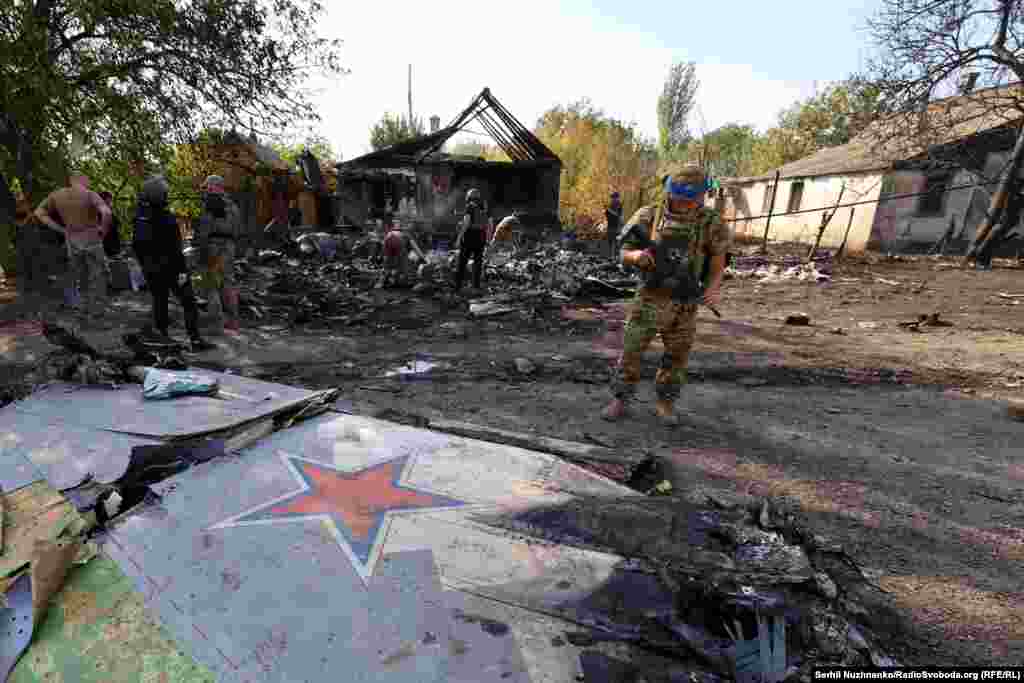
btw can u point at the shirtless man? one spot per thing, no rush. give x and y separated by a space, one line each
79 208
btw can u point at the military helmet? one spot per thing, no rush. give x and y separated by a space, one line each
473 195
686 181
155 190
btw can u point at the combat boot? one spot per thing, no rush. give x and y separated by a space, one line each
665 411
615 410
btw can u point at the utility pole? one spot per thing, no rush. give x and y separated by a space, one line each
410 97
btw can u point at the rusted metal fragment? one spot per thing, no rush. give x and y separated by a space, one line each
35 512
51 561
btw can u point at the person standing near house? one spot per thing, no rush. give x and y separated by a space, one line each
86 219
669 244
472 239
156 242
217 234
613 218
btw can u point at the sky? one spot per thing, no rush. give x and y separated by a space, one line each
753 58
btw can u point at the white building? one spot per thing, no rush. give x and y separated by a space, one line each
967 141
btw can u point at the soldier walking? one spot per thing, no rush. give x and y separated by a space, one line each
669 243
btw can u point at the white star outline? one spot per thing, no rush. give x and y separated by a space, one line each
364 571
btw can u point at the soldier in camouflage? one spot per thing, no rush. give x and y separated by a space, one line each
217 235
669 243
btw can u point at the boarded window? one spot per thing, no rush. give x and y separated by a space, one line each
766 204
796 195
933 201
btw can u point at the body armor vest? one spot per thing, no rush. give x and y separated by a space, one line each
676 268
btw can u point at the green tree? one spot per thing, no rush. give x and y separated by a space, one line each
599 155
318 145
830 118
123 78
729 150
677 99
391 130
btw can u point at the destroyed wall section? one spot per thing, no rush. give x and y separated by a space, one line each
902 225
439 188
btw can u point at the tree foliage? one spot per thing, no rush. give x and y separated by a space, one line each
674 105
318 145
728 151
482 150
392 129
600 155
923 50
830 118
123 78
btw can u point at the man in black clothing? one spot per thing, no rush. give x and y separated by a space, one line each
157 245
613 218
112 241
472 239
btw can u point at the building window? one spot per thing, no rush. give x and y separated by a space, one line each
933 200
766 204
796 194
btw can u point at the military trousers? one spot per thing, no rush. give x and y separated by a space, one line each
219 280
649 317
88 264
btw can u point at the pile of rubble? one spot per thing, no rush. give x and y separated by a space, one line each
329 278
785 269
734 582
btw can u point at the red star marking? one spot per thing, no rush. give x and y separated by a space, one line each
357 499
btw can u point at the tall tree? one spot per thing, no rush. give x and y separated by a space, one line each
124 77
599 155
319 146
391 130
728 150
923 48
677 99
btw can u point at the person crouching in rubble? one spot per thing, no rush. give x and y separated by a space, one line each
669 244
472 239
217 234
157 246
396 255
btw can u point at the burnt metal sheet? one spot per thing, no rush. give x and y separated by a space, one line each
65 453
357 530
241 399
16 624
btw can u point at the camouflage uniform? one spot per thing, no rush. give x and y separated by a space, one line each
217 240
90 272
654 312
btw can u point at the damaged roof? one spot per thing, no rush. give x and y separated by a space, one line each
518 143
883 143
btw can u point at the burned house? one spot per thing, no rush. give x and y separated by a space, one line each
425 188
